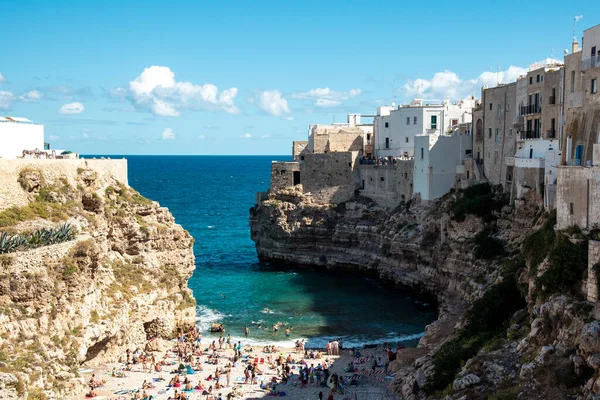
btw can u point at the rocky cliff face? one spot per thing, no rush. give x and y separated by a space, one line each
120 282
465 260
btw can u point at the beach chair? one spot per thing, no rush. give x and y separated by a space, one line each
256 360
262 360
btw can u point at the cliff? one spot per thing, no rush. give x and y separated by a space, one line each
512 315
118 280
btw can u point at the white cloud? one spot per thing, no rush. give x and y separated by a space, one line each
72 108
289 118
54 137
246 136
272 102
325 97
202 137
6 99
448 84
2 78
85 133
157 90
168 134
32 96
264 137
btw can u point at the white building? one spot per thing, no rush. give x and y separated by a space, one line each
18 135
436 160
396 128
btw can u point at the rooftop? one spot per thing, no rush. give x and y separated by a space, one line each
16 119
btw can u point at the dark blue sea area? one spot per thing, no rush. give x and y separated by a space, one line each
210 196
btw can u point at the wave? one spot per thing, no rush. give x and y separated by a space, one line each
267 310
206 316
320 342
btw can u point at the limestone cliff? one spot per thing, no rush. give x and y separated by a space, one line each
121 281
509 288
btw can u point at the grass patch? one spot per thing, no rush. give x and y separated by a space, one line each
51 211
487 318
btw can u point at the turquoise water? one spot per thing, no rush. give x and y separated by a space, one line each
211 196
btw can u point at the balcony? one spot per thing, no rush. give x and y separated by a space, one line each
529 135
552 100
575 99
531 109
518 121
551 134
591 62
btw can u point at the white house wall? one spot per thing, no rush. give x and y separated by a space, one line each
16 137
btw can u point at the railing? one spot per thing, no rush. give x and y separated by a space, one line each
531 109
552 100
591 62
528 135
550 133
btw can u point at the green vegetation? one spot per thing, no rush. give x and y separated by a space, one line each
487 318
94 317
537 245
77 258
39 238
567 268
487 246
478 200
51 211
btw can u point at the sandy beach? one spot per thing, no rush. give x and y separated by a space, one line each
365 382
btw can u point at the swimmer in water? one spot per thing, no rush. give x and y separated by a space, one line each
223 296
275 327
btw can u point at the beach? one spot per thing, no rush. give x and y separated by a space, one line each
366 382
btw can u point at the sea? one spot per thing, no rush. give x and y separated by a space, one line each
210 196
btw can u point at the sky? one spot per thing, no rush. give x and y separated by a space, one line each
248 77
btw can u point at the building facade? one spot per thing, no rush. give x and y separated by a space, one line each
19 136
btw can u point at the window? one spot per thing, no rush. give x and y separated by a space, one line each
407 120
571 208
510 132
368 138
490 106
537 78
507 106
594 87
422 153
454 122
387 124
434 122
382 179
593 52
387 142
414 120
406 175
495 157
530 80
406 139
499 110
572 81
497 137
542 78
490 133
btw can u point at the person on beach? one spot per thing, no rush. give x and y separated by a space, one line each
329 348
287 332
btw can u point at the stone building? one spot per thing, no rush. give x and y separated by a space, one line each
578 194
387 185
539 101
495 138
582 106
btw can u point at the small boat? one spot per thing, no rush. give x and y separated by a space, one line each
217 328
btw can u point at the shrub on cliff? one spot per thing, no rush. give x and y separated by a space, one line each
487 318
537 245
487 246
478 200
567 267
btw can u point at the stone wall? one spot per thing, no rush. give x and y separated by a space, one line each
387 185
593 259
282 174
525 180
328 177
328 139
11 193
298 147
578 197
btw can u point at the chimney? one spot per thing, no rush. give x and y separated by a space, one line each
575 47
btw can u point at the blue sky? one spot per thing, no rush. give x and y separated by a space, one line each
233 77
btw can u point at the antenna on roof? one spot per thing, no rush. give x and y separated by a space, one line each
498 75
577 18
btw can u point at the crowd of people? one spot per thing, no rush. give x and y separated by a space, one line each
389 160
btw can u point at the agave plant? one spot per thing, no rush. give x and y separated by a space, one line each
41 237
6 243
